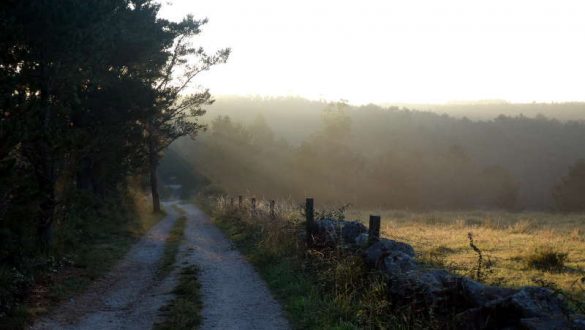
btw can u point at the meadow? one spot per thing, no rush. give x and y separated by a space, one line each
518 248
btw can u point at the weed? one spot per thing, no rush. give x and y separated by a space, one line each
546 258
479 256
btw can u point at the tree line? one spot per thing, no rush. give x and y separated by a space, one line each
390 157
91 92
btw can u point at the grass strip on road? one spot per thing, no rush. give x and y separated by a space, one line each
172 245
184 311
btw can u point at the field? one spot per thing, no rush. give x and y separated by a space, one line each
512 244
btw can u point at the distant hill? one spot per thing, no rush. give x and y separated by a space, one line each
391 156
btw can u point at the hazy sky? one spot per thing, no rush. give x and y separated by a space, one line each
395 50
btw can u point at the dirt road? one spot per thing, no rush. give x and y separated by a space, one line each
234 296
129 297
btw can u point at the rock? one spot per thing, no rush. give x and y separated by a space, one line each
478 294
579 322
330 232
440 295
377 251
351 230
395 263
536 301
546 323
361 240
528 308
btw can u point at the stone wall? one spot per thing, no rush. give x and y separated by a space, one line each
450 299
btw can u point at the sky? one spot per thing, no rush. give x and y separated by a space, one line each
385 51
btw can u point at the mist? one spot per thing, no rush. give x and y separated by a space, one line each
476 157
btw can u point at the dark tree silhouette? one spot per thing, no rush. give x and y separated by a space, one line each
569 194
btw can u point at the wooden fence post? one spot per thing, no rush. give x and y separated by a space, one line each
374 230
231 203
240 201
272 213
310 215
253 208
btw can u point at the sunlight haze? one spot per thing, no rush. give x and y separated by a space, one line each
395 51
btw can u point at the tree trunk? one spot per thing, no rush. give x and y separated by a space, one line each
44 169
84 175
44 163
153 158
45 223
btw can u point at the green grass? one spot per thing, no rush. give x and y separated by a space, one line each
172 245
318 289
184 311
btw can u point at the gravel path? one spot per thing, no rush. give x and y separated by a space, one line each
129 297
234 295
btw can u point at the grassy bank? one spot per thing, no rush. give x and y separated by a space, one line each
318 289
90 240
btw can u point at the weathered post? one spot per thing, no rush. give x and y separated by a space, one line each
310 215
231 203
240 201
374 230
272 214
253 208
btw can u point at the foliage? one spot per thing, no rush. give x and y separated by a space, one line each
547 258
90 92
385 157
569 194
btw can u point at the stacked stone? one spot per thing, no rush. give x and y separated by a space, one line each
455 300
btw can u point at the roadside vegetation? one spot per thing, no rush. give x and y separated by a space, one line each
326 289
88 244
334 289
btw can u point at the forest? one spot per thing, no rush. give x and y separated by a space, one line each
91 93
389 157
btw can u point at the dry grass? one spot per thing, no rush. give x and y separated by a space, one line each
509 242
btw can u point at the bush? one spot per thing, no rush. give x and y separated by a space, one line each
547 259
569 194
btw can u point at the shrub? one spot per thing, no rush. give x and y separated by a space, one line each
569 194
547 259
